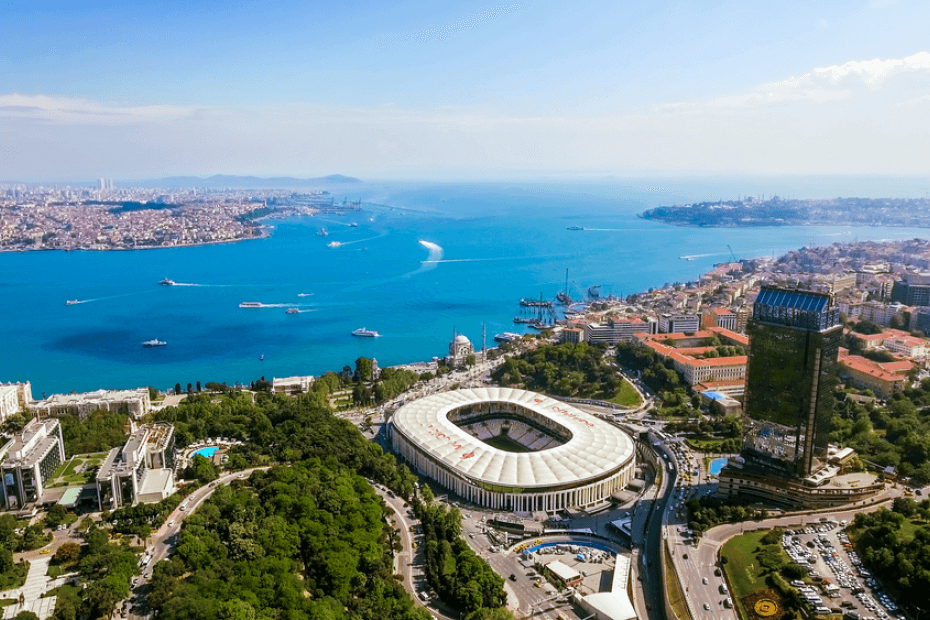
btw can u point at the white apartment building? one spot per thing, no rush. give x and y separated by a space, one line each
28 460
14 398
291 385
140 471
135 403
679 323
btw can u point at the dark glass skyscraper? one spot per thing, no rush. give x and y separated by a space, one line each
794 342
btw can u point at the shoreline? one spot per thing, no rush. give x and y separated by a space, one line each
265 234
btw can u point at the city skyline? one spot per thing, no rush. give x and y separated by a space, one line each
468 90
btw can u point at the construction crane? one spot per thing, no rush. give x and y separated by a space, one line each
735 260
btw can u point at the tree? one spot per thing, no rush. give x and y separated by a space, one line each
470 360
177 388
363 369
55 516
190 388
26 615
67 553
201 469
198 386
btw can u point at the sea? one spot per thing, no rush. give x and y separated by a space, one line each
426 261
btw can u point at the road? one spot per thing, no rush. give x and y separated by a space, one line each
651 574
160 542
408 561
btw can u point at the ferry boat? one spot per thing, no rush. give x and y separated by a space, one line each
71 302
167 282
155 343
365 333
507 337
292 311
251 304
323 233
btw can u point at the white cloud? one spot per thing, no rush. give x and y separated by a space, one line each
822 85
67 110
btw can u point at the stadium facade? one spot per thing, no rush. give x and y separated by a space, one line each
510 449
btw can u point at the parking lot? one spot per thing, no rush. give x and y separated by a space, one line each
837 582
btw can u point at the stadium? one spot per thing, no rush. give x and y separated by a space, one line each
510 449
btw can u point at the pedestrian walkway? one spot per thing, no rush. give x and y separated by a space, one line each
37 583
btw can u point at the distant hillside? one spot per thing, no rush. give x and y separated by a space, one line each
913 212
219 181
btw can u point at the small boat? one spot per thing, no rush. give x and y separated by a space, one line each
71 302
333 244
575 228
292 311
365 333
155 343
304 294
167 282
262 358
251 304
354 224
322 233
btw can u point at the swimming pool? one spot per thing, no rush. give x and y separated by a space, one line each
206 452
716 465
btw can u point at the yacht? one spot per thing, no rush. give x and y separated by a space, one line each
292 311
154 343
71 302
365 333
167 282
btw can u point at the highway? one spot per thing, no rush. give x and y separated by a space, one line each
652 577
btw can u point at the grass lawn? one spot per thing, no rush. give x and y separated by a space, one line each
745 574
705 445
6 602
65 589
15 577
627 396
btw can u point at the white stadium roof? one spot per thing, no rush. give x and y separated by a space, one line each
596 448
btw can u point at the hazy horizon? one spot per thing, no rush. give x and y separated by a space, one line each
464 91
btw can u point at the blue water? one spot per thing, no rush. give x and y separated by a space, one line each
205 452
507 240
717 465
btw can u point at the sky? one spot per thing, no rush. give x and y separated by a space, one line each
463 90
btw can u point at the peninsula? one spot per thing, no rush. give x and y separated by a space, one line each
777 211
107 218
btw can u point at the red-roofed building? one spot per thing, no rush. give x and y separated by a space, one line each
885 379
719 317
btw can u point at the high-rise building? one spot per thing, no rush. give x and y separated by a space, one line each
786 460
795 338
913 290
105 184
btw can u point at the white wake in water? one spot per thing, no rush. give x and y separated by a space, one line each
435 255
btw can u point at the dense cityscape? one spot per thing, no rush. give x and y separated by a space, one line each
107 218
673 382
467 310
